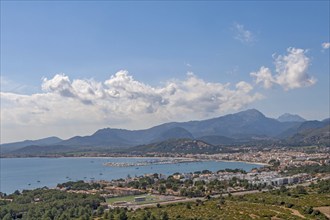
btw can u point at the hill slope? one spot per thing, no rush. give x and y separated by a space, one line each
17 145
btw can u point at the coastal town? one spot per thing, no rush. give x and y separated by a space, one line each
288 182
281 168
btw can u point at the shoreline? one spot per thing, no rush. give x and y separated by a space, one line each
142 157
108 174
242 161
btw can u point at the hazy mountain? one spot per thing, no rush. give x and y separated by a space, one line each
290 118
303 127
174 133
249 126
246 124
311 136
17 145
42 150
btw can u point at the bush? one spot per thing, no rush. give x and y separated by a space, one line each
289 205
308 210
316 212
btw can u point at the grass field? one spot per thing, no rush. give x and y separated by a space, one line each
131 199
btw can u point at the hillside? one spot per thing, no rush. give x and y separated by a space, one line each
18 145
312 136
177 146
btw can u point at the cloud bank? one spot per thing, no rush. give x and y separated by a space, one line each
291 71
64 106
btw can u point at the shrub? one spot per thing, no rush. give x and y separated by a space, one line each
289 205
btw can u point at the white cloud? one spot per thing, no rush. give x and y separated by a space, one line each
70 107
326 45
264 76
291 71
242 34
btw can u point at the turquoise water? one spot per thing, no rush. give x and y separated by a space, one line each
31 173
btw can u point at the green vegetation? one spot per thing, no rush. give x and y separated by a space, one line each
232 170
311 169
79 185
284 203
49 204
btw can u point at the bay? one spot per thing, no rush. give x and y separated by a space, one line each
31 173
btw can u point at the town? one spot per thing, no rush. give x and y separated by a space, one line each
282 168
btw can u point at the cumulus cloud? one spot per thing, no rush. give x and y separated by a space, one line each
326 45
291 71
121 101
242 34
264 77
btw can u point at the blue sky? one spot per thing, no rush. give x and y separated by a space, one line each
137 64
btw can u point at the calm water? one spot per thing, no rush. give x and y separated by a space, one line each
30 173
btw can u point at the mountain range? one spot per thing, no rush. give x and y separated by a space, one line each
248 126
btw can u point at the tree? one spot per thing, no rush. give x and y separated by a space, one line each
199 202
162 189
106 215
222 200
7 217
17 192
100 210
301 190
164 216
283 189
123 215
308 210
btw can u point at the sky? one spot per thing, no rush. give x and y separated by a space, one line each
72 67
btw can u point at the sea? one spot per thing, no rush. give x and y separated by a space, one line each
31 173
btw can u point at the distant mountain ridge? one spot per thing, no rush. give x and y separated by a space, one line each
290 118
17 145
248 126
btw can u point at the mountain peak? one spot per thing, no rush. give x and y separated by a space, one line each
290 118
251 113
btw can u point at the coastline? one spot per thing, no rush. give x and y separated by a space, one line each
94 170
139 157
249 162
